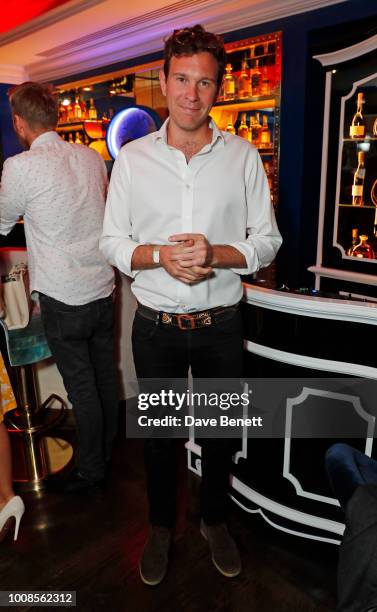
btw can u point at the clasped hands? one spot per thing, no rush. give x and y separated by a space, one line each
188 259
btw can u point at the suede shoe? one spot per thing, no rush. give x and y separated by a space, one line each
225 555
154 561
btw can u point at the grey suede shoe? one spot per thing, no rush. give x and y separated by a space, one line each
154 561
225 555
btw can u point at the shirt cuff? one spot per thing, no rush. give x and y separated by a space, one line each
251 256
119 255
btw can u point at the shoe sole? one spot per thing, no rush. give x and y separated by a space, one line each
150 582
219 569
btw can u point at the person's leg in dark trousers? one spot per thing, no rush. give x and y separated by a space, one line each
159 352
102 356
69 331
217 352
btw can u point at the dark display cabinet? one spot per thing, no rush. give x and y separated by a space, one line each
347 232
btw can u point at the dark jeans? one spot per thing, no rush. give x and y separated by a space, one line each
81 339
167 352
348 469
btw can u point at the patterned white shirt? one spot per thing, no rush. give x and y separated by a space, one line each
59 189
222 193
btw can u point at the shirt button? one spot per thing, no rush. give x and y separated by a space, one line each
188 186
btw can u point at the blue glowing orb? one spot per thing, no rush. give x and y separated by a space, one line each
129 124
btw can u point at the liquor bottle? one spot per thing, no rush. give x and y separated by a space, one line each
358 181
77 138
77 109
92 110
256 79
70 111
265 137
355 240
84 110
357 127
62 113
256 130
250 130
243 130
229 83
363 249
70 138
265 84
230 127
244 84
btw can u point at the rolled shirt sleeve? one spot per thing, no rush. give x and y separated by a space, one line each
263 238
116 242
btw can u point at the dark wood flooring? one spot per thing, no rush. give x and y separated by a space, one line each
93 547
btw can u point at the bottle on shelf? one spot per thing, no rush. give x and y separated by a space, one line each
70 111
358 181
92 110
229 83
355 240
243 129
70 138
62 113
256 130
230 127
244 84
250 130
77 110
77 138
256 79
265 137
363 249
84 110
357 127
265 84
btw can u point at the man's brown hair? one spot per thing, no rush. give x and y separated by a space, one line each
189 41
35 103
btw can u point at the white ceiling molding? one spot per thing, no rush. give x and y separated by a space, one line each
143 35
46 19
13 74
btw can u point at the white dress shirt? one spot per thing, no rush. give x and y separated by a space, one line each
222 192
59 189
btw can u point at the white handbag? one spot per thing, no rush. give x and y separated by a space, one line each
16 297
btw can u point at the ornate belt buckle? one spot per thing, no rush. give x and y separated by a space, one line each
188 318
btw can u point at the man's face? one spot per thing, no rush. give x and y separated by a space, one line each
190 90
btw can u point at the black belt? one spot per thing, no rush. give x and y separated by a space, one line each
189 320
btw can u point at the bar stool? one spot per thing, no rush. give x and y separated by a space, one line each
30 421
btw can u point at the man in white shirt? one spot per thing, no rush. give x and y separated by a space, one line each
188 211
59 189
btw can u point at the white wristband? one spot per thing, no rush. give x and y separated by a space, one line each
156 254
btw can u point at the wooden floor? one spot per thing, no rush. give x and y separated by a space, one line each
93 548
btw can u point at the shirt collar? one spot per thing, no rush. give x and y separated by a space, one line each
217 135
44 138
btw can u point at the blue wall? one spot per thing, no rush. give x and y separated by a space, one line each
9 143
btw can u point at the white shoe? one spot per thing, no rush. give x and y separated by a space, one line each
14 508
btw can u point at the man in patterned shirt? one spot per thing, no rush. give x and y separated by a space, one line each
59 189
